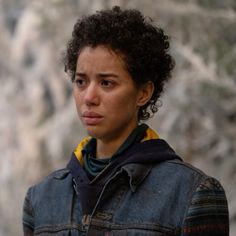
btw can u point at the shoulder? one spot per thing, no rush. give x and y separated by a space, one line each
42 200
207 212
186 167
54 183
183 175
205 181
59 174
177 167
204 194
203 186
55 176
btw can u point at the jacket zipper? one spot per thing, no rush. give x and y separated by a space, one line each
100 196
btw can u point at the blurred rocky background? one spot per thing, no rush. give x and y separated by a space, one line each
39 126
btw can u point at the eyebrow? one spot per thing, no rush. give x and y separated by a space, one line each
81 74
102 74
107 74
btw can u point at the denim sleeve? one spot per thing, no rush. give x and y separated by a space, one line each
28 215
207 214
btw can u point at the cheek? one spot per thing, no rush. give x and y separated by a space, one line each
78 102
125 103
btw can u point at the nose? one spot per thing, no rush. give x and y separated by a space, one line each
91 97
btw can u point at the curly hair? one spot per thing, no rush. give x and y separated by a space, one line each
143 45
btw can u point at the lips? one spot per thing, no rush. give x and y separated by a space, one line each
91 118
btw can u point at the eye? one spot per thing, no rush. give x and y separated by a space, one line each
107 83
80 82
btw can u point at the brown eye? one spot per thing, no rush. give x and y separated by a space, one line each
80 83
107 83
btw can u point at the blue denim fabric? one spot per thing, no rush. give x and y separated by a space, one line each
138 200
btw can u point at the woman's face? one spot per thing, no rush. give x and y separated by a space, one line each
106 97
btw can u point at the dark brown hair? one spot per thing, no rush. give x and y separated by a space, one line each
143 46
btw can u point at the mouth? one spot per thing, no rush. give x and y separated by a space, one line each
91 118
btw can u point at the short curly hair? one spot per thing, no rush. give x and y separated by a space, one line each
143 45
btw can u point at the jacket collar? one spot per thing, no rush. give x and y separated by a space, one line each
149 135
137 173
60 174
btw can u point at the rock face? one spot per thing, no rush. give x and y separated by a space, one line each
39 126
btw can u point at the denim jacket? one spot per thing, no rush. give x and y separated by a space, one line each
169 198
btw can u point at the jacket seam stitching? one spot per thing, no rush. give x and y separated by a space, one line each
190 202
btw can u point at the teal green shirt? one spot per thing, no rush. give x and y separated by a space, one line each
94 166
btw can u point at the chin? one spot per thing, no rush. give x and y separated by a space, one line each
94 132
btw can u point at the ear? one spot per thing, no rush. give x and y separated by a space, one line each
145 93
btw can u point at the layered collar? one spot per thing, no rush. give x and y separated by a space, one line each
82 147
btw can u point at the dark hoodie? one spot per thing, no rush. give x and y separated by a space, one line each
151 151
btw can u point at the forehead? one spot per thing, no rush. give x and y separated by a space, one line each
100 55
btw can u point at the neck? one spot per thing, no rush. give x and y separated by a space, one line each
107 147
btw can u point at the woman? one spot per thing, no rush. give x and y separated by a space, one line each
122 179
